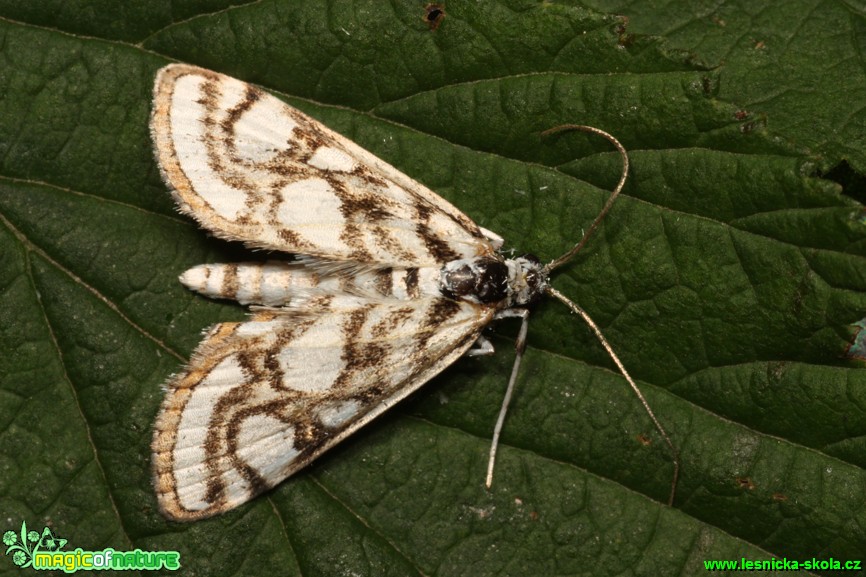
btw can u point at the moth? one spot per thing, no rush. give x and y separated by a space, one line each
389 285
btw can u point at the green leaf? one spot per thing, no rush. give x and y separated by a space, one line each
799 63
728 277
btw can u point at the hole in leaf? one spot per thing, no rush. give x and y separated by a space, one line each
853 183
434 14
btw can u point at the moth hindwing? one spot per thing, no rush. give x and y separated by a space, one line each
390 285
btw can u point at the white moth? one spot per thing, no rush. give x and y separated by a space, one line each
391 285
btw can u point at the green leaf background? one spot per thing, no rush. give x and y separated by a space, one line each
730 279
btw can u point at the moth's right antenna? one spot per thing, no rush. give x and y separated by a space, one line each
583 314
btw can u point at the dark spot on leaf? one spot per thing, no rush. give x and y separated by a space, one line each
434 14
745 483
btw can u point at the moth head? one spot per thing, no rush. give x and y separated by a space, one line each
527 280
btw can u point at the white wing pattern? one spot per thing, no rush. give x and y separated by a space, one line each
249 167
261 399
348 330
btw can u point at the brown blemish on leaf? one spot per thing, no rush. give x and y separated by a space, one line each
745 483
434 14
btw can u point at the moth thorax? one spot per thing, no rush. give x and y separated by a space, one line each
490 280
481 279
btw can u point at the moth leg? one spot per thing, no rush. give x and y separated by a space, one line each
520 346
481 348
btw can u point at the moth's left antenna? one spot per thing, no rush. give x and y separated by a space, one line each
583 314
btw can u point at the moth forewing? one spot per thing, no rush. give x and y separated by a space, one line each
390 284
223 146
